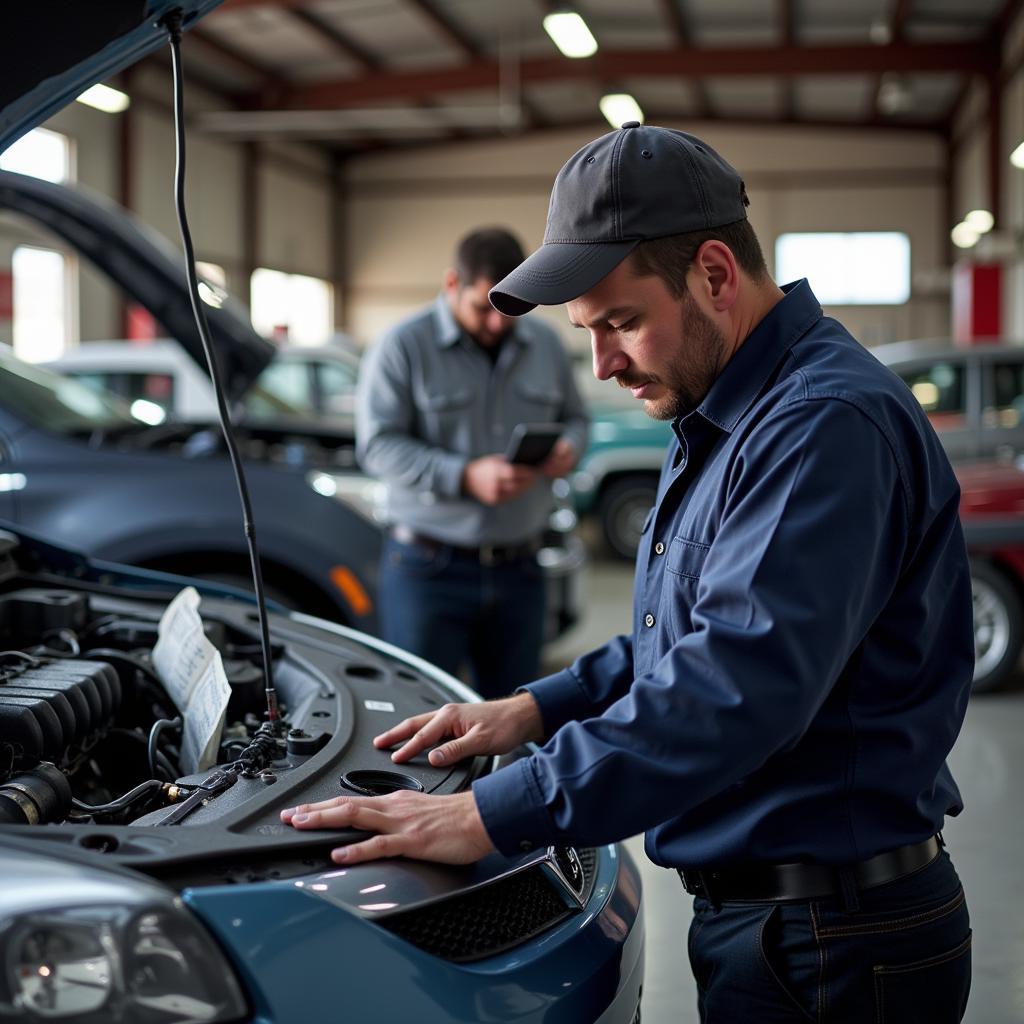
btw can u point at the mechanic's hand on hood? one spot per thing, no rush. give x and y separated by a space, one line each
494 727
447 829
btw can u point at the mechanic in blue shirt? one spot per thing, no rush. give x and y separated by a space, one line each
802 643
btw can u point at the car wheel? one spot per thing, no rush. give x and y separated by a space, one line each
623 509
998 627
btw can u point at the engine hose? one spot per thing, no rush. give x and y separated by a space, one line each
151 748
122 802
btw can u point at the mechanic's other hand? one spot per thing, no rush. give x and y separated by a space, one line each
494 727
560 461
446 829
493 480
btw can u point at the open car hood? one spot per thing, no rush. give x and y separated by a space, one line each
146 267
52 51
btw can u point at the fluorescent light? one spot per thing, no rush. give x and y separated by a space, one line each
963 235
620 107
1017 157
570 34
980 220
102 97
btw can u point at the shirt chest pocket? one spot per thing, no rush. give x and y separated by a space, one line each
686 558
445 416
536 402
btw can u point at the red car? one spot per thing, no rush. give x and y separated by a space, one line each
992 511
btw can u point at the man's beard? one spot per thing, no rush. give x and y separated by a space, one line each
697 364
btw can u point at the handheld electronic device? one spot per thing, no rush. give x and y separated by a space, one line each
531 443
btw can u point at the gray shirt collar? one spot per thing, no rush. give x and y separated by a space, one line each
448 331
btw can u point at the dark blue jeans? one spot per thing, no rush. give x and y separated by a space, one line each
449 609
904 957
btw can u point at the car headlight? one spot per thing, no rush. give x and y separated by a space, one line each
134 963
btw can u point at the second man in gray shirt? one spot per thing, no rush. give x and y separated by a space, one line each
439 397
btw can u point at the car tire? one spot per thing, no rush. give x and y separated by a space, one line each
622 510
998 627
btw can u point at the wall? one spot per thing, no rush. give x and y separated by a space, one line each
406 211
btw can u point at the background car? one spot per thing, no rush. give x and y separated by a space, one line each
616 480
81 469
301 381
974 395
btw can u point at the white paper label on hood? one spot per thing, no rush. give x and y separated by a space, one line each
379 705
191 669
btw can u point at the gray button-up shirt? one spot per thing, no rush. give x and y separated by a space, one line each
430 400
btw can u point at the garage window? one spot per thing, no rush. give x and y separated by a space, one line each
292 307
847 268
42 303
41 153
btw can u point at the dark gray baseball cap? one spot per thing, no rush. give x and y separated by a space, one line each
630 185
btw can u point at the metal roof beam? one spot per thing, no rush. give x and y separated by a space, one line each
341 42
679 24
784 61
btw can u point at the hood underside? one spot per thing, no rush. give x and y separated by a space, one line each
52 51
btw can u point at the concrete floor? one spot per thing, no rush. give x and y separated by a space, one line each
985 841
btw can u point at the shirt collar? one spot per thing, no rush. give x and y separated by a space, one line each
747 372
448 331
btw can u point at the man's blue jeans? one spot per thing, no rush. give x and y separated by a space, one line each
904 957
446 607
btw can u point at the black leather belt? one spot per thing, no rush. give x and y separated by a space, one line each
486 554
777 882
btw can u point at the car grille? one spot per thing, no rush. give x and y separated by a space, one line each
491 919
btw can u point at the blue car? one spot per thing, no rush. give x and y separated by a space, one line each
147 877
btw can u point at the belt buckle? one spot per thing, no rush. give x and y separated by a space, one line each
488 555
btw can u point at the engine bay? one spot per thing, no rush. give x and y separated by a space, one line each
91 751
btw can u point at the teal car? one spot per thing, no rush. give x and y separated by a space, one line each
616 480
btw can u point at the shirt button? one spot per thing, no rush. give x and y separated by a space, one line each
659 548
648 620
526 846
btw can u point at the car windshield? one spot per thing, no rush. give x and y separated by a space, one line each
58 404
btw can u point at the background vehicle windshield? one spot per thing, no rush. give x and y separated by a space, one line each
58 404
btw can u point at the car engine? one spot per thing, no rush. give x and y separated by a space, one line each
90 736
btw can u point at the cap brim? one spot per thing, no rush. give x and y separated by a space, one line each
557 272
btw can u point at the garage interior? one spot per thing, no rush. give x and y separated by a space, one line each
351 143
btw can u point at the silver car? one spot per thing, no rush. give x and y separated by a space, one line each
974 396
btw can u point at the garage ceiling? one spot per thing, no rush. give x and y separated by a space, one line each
354 75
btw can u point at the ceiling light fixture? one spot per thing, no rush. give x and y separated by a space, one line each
570 34
620 107
1017 157
980 220
963 235
102 97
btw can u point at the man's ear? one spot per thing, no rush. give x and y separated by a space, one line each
720 273
451 281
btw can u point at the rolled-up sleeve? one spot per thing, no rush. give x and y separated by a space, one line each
812 537
385 441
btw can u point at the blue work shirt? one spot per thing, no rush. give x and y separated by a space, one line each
802 645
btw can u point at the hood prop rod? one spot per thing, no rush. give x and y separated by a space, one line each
173 22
